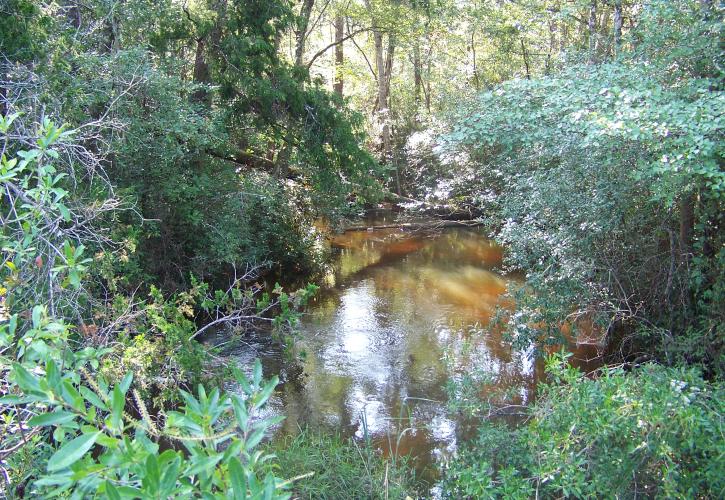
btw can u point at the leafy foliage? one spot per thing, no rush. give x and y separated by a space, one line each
654 432
604 180
60 409
100 450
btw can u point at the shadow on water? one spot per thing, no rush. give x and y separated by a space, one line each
406 313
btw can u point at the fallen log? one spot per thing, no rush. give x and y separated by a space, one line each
416 226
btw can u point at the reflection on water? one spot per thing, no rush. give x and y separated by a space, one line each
375 345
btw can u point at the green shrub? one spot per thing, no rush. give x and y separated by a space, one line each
605 184
654 432
66 428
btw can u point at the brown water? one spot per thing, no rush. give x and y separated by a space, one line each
404 313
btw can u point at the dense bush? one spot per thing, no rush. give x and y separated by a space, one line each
655 432
75 420
193 145
604 182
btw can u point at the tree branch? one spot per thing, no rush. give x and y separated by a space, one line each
362 52
245 159
337 42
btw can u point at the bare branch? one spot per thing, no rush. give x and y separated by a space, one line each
337 42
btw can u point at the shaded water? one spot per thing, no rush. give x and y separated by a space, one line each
406 312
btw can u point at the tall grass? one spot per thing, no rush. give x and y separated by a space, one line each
342 468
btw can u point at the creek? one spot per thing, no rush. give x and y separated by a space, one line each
404 314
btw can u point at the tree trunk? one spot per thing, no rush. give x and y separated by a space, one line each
552 45
476 82
592 27
379 69
201 67
113 43
429 69
3 89
687 224
384 68
417 75
389 67
303 22
385 99
339 55
201 73
617 26
383 65
526 59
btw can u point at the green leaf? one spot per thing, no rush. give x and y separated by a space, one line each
111 491
37 316
117 404
71 396
201 464
169 477
64 212
72 451
254 439
93 398
153 475
238 479
126 382
74 278
257 372
54 418
52 374
55 480
240 411
266 392
24 379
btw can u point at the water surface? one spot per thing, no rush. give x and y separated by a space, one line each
404 312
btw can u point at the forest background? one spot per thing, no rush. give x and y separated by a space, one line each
161 160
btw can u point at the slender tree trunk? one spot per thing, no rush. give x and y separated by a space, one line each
303 22
3 89
338 86
687 229
476 82
417 74
526 59
381 107
552 45
379 69
592 27
114 36
602 27
204 45
385 99
687 224
617 26
383 67
428 70
389 66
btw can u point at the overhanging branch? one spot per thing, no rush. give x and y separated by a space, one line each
335 43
